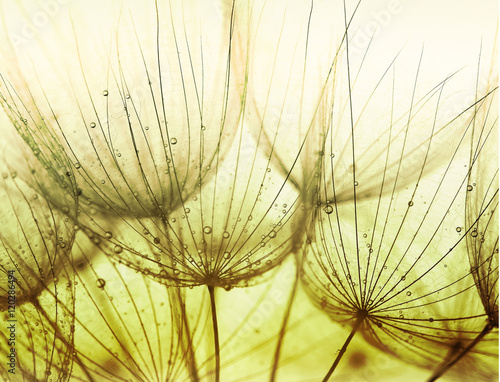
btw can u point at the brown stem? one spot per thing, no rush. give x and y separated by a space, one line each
359 320
211 291
445 366
283 329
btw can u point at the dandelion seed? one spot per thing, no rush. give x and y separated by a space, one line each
406 249
481 213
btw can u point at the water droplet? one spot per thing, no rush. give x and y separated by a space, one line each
272 234
101 283
328 209
227 255
269 262
207 229
474 233
459 229
469 188
108 235
410 203
105 93
163 273
225 234
92 125
431 319
156 240
408 293
173 141
118 249
227 287
356 183
176 272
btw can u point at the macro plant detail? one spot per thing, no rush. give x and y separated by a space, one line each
37 281
149 112
213 190
378 263
482 243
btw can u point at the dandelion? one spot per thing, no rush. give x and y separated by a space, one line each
481 214
388 265
379 265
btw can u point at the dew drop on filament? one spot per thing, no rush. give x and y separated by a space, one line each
328 209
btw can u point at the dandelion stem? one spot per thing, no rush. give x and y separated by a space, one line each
281 338
445 366
211 291
359 320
